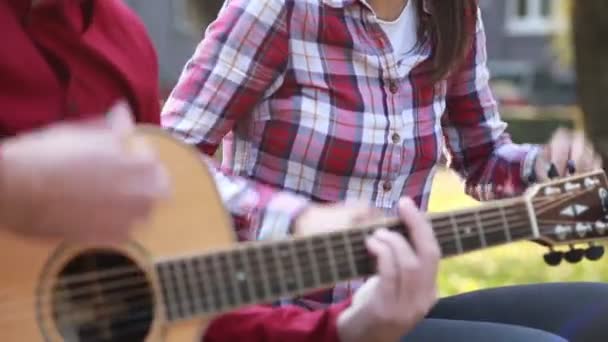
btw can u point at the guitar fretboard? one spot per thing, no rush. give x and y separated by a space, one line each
262 272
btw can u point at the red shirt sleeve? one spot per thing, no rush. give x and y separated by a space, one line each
277 324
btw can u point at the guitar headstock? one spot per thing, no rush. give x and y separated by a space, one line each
571 210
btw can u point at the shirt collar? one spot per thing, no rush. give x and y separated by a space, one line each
346 3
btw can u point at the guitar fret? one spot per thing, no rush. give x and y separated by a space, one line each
215 280
349 254
259 255
468 234
280 269
482 237
227 280
194 286
274 279
169 295
362 260
521 230
180 288
325 261
235 275
203 281
305 264
256 272
456 231
297 267
316 271
245 276
293 280
331 258
340 256
190 287
505 224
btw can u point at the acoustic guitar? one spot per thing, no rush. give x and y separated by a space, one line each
184 266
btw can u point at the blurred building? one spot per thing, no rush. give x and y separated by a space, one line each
519 39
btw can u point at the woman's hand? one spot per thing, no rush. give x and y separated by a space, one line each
567 152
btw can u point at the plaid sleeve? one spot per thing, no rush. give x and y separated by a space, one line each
259 211
479 147
244 51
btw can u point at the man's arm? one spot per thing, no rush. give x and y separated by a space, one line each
480 149
277 324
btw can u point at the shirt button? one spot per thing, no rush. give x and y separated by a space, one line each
387 186
396 138
393 86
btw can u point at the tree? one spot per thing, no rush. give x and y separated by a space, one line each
590 29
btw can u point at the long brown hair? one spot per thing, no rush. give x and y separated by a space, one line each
450 28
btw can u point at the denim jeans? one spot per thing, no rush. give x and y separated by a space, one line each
554 312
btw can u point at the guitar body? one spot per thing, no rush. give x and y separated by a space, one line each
192 221
166 283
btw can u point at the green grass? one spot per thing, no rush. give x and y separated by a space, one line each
518 263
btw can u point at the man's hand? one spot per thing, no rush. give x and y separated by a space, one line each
392 302
568 152
79 180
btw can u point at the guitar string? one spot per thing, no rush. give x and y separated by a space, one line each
132 327
271 271
116 272
97 276
488 231
360 251
440 229
98 286
107 311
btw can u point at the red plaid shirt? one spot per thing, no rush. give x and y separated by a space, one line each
308 96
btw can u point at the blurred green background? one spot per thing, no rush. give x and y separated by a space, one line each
518 263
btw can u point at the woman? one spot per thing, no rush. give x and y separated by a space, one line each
337 100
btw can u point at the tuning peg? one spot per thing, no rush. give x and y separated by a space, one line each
594 252
574 255
553 258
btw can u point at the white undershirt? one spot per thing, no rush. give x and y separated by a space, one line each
402 31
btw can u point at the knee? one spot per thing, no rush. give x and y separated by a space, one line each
521 333
465 331
597 291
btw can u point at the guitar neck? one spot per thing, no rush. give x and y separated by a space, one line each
265 271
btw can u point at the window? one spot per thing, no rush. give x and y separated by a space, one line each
533 17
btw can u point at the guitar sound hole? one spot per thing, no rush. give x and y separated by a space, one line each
102 296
